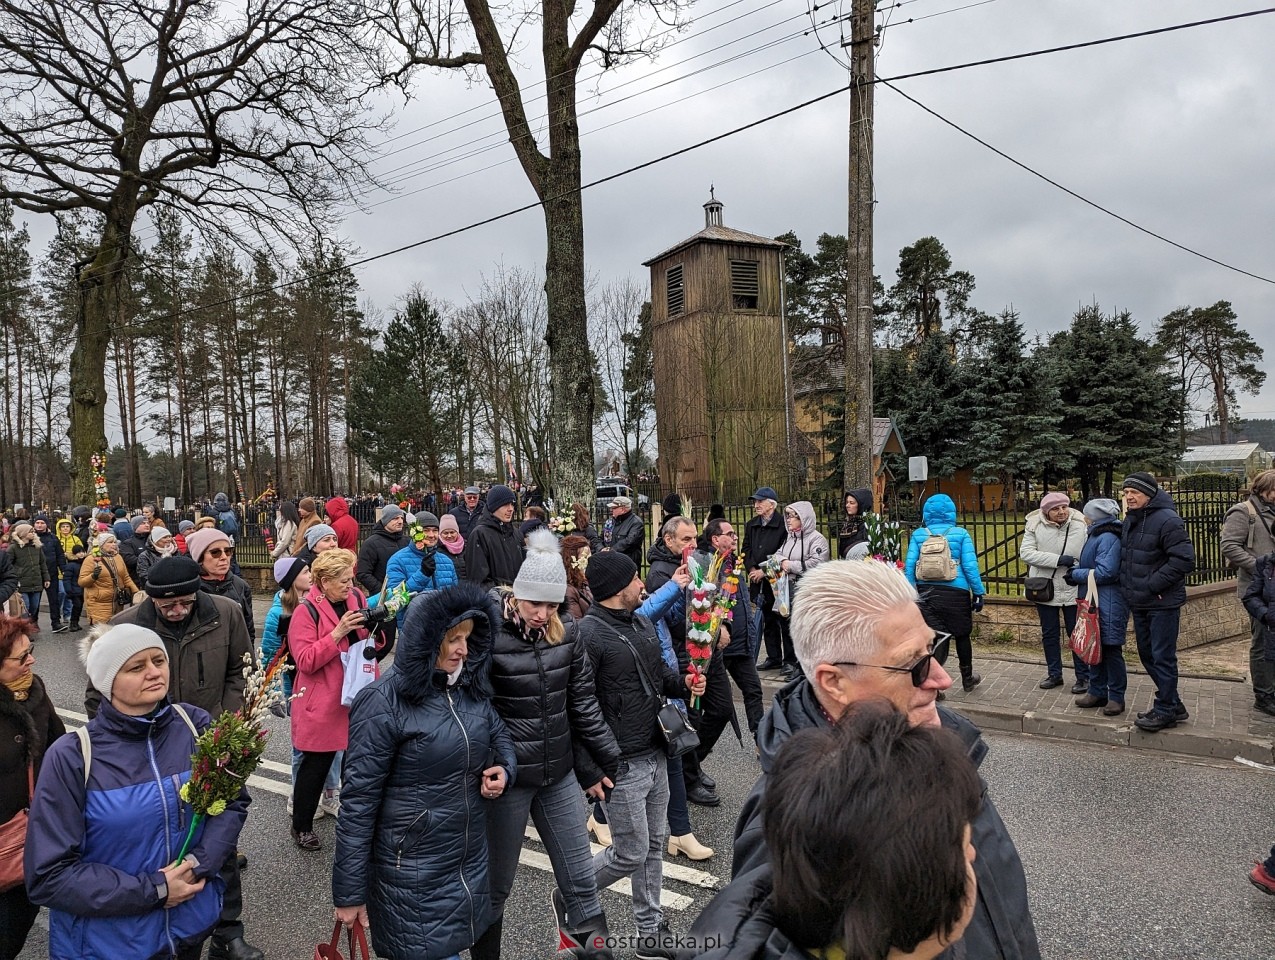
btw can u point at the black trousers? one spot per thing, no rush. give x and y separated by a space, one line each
717 709
52 594
309 787
229 926
17 915
772 638
743 670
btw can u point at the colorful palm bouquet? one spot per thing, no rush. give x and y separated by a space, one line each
714 591
229 751
98 462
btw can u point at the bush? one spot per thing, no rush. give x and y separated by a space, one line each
1209 482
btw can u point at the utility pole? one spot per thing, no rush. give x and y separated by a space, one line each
857 456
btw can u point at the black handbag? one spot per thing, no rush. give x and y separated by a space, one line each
679 736
1041 589
123 597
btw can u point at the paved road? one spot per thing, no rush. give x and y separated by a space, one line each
1128 854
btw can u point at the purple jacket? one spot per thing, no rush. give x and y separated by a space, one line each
94 853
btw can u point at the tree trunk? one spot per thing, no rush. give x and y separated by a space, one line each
101 285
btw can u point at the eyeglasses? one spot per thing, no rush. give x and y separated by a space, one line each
729 533
921 669
28 654
175 602
220 551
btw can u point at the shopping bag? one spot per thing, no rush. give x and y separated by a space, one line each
783 596
1086 638
360 669
332 950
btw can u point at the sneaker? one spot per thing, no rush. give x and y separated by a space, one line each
1050 682
307 840
1154 722
331 802
658 945
1080 686
1179 713
318 813
61 628
1259 878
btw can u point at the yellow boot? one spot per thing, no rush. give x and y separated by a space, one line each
688 846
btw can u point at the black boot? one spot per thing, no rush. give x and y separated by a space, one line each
970 679
487 947
591 937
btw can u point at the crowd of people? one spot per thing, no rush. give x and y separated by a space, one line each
537 676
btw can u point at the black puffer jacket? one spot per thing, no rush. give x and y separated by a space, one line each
627 706
493 553
743 912
375 554
1002 926
544 692
236 589
412 829
1156 554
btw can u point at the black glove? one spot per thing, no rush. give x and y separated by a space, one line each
1066 560
976 604
427 564
1269 619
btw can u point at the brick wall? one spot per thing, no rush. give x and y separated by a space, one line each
1213 612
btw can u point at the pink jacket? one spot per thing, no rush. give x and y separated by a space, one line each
319 722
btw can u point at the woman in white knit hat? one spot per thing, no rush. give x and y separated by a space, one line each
107 822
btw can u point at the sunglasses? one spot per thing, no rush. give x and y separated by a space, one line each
220 551
28 654
920 670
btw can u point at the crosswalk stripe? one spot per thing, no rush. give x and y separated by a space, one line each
668 899
696 878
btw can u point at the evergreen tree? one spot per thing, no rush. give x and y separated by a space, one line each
929 413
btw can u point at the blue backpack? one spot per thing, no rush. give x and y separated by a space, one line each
228 523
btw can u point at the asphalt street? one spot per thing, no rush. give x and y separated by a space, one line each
1128 854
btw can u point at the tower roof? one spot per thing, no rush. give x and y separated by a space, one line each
716 232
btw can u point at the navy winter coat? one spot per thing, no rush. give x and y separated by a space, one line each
1259 600
1101 554
94 853
411 841
1155 557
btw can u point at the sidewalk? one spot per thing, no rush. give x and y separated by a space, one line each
1223 723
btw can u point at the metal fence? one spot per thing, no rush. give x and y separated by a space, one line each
996 533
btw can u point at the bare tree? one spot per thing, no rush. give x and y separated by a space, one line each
620 333
239 116
610 32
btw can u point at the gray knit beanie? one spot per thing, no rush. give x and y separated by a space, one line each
114 648
542 577
1100 509
316 533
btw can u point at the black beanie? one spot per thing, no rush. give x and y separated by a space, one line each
672 505
172 577
1142 482
498 496
608 573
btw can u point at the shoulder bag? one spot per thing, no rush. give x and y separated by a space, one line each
122 599
1086 638
1041 589
679 736
332 950
13 839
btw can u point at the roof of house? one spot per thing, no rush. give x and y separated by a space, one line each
1220 451
718 234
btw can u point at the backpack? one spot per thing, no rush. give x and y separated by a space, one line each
935 565
86 745
228 523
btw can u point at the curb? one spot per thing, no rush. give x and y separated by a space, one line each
1121 733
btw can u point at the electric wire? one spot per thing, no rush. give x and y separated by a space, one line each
933 71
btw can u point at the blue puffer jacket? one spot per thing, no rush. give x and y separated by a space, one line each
405 567
939 516
1101 554
93 854
272 637
1156 556
411 842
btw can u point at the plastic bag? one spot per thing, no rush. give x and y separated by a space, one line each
360 670
783 594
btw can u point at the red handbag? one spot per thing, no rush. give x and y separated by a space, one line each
357 941
13 840
1086 638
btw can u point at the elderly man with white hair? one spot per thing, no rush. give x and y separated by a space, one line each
860 636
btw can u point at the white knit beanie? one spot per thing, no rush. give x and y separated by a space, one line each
113 648
542 578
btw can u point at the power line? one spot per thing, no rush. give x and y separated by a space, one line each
736 130
1073 193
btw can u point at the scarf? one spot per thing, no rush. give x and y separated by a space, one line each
456 547
20 688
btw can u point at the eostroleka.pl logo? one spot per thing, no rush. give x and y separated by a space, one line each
673 941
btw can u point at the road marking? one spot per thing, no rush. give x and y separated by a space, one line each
668 899
696 878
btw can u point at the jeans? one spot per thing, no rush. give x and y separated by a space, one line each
558 813
1157 635
64 600
1259 668
638 814
1108 677
32 602
1052 640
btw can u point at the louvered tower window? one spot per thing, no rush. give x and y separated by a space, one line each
675 291
743 284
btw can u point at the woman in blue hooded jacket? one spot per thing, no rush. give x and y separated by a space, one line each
1100 555
948 604
420 564
427 754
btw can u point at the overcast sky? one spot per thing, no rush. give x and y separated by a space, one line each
1174 132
